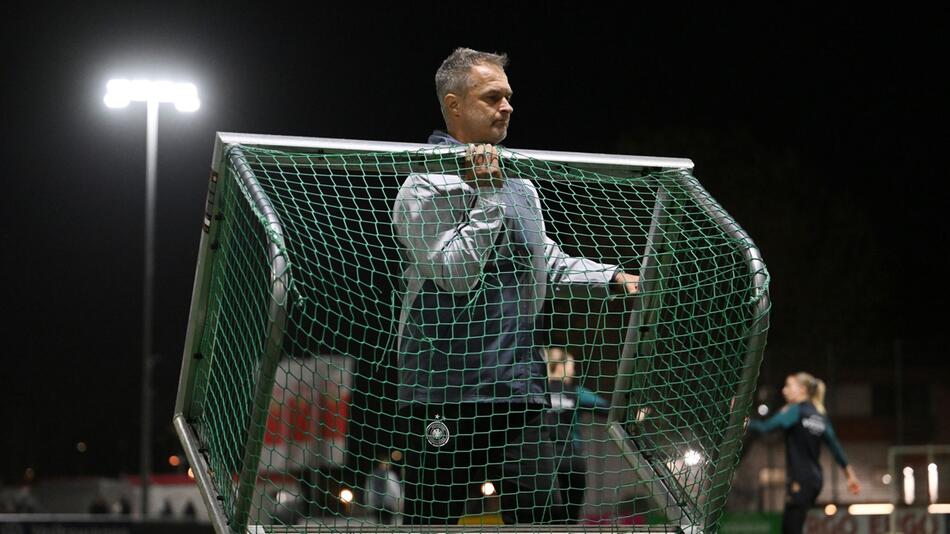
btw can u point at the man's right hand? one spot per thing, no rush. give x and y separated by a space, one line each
483 167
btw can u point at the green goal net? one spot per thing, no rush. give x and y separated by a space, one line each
376 346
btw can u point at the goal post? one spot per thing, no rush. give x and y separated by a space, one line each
288 390
631 432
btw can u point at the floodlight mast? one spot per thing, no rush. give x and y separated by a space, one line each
119 94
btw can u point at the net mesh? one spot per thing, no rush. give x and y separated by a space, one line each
380 344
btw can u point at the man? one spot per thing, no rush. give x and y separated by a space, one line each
472 377
567 399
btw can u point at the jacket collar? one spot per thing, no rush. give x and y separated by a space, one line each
439 137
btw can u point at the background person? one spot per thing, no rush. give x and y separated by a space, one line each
806 426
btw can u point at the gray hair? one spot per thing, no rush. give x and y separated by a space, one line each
453 75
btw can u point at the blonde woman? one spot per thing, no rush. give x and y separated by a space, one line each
806 426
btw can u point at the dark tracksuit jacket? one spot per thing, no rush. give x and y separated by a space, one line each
566 401
805 430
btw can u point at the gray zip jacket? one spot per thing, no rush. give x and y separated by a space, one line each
478 266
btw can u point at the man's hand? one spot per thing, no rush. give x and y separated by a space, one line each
629 283
483 167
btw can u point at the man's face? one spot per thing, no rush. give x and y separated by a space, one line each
485 110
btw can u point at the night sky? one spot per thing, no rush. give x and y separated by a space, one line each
822 134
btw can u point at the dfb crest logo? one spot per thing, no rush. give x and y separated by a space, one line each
437 434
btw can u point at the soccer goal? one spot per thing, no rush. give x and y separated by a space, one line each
288 405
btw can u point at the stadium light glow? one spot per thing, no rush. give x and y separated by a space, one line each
941 508
871 509
763 410
284 497
831 509
932 481
488 489
909 486
346 496
692 457
120 92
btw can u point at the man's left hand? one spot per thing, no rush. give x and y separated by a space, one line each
629 283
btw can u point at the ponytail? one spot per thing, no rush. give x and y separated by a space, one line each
818 399
815 388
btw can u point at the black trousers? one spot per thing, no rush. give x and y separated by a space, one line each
571 469
503 443
800 497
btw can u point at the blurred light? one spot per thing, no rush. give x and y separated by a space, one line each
285 497
396 456
692 457
174 460
942 508
886 479
763 410
346 496
932 482
191 474
81 446
120 92
488 489
871 509
117 94
908 486
187 100
831 509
